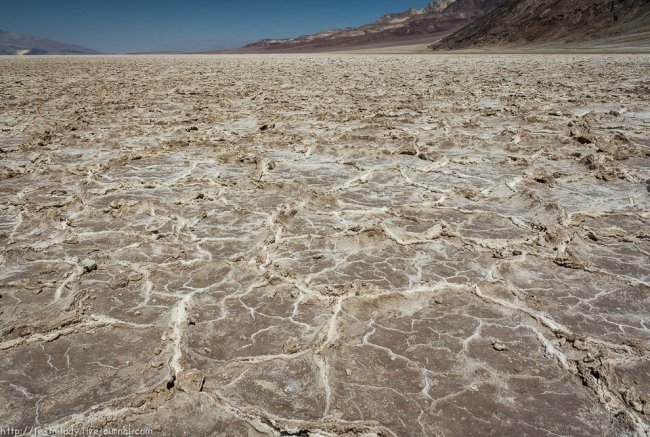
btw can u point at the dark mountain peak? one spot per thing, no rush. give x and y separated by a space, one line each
524 22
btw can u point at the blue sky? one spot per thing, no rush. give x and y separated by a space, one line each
148 25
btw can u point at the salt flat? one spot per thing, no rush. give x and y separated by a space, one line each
326 245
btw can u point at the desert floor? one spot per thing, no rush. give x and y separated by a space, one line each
322 245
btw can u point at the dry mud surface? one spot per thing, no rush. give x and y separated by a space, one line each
326 245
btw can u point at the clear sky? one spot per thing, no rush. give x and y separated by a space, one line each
150 25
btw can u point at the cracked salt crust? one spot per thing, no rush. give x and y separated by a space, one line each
327 245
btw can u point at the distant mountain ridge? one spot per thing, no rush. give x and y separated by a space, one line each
526 22
15 44
438 18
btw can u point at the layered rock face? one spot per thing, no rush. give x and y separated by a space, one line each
324 245
525 22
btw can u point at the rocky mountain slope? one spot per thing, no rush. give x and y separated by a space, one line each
437 19
15 44
520 22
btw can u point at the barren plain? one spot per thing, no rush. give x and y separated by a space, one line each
325 245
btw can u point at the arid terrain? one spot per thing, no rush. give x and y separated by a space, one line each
422 26
495 26
321 245
603 24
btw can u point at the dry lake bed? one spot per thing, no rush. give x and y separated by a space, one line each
326 245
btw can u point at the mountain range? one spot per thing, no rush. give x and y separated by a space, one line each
15 44
439 18
447 25
494 24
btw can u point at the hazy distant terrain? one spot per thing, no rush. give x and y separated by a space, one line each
15 44
326 245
